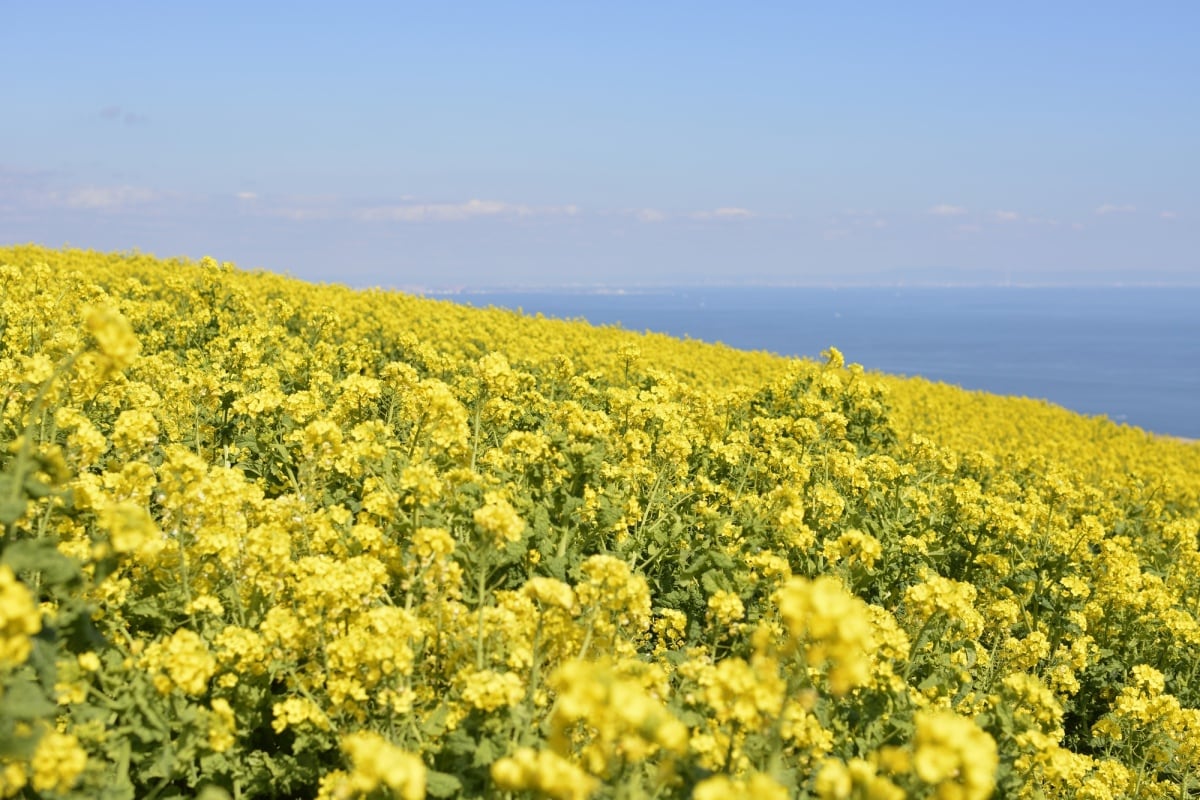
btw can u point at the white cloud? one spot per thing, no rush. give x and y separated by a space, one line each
947 210
297 214
1047 221
1168 215
104 198
1111 208
422 212
1007 216
725 212
856 218
649 215
657 215
45 190
457 212
404 209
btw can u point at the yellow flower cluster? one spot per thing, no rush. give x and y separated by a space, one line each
858 778
299 540
544 772
19 619
952 600
499 520
756 785
378 764
57 763
831 625
954 755
183 660
609 718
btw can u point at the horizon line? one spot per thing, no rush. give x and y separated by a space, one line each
659 288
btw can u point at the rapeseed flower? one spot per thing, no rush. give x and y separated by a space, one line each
953 755
544 772
378 763
114 336
499 520
828 624
19 619
57 762
181 661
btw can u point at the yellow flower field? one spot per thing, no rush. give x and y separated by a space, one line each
263 538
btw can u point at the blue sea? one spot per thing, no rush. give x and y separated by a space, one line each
1131 354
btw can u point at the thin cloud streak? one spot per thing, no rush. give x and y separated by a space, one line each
45 191
103 198
858 219
457 212
726 212
650 215
1112 208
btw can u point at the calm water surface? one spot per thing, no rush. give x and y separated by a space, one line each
1132 354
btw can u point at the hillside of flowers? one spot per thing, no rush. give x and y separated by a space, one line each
266 539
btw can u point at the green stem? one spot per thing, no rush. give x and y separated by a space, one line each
564 541
587 637
916 645
475 433
183 570
22 466
479 613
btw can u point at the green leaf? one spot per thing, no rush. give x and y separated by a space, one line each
212 792
435 723
713 582
459 742
117 791
540 522
24 699
41 555
556 567
11 510
485 753
37 489
43 660
442 784
14 746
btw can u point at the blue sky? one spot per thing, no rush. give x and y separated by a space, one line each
482 144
